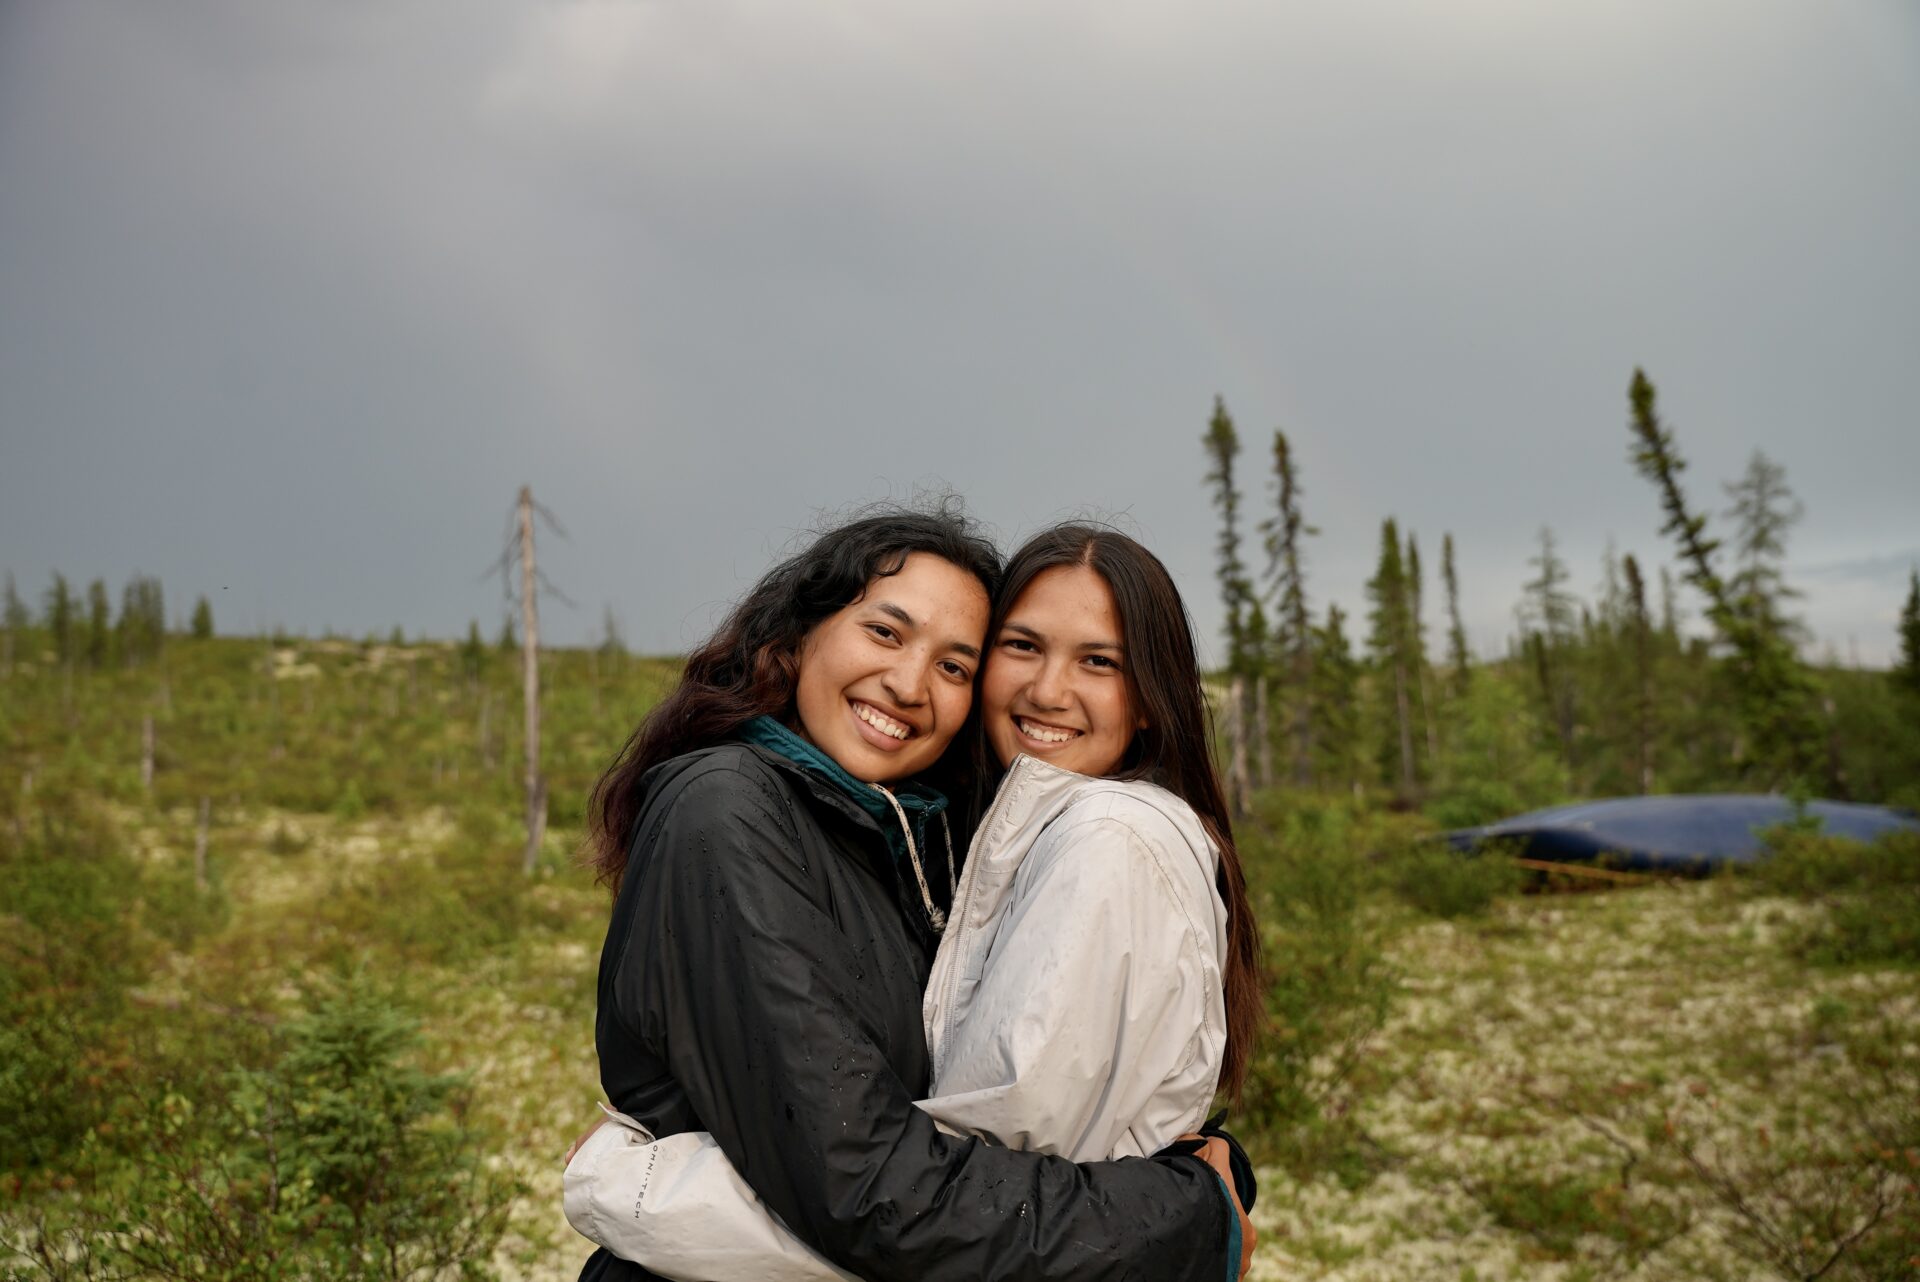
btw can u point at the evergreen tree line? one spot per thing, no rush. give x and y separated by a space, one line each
1593 697
83 629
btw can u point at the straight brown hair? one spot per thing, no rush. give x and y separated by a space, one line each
1174 750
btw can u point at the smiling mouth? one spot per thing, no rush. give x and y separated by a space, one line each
880 721
1041 732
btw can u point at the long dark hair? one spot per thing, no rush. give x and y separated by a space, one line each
1174 750
748 667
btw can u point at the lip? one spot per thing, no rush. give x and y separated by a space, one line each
1039 747
872 734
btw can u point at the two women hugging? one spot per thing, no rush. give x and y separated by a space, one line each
930 947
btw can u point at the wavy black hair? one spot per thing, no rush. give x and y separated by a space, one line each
749 666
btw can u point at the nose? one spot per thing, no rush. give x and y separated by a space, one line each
909 680
1049 688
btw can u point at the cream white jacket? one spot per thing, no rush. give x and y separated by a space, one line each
1074 1007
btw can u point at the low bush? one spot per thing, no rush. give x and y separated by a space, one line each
342 1159
1443 882
1871 891
1329 988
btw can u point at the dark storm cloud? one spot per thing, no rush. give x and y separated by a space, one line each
293 297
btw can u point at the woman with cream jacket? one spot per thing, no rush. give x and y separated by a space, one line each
1079 1001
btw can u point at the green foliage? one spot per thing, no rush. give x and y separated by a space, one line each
201 627
1222 444
1774 693
1907 670
60 619
1870 891
1498 762
70 948
99 637
1330 985
143 619
340 1159
1442 882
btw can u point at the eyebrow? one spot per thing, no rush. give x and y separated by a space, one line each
894 611
1026 631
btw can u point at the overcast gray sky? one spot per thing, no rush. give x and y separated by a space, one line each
294 296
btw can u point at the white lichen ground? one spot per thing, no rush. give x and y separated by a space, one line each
1549 1047
1532 1047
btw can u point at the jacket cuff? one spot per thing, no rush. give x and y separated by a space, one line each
1233 1232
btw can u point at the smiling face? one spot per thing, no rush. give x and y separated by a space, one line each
1056 682
886 682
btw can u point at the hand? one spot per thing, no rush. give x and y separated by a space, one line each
585 1135
1214 1153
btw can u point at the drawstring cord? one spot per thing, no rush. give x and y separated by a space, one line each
938 918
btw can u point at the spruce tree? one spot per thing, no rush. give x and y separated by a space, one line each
1293 630
509 640
1640 633
1389 643
17 619
1458 656
99 624
60 619
202 625
1907 672
143 619
1236 592
1336 704
1550 612
473 652
1417 649
1763 510
1775 694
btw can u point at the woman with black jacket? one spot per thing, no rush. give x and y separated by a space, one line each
777 905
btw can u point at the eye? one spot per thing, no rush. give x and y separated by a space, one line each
958 671
882 631
1102 661
1019 645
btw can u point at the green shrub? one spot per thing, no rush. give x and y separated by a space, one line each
1329 983
1443 882
1871 891
341 1160
70 948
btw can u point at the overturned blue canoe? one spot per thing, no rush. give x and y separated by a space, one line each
1682 834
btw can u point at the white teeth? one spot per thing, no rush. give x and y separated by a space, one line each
881 721
1045 734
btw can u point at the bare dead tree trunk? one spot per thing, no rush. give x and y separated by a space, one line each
146 753
530 681
200 845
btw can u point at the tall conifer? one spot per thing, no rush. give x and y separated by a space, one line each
1293 627
1222 444
1640 632
1458 656
99 624
1775 692
60 620
1390 644
1907 672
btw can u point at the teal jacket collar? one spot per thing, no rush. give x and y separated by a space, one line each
918 801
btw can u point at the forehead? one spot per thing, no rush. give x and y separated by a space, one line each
1067 596
937 594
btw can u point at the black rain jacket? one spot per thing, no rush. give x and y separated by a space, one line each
761 979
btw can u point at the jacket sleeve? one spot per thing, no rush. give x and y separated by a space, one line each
738 976
677 1206
1097 1025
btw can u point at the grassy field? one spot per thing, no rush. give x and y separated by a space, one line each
1712 1080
